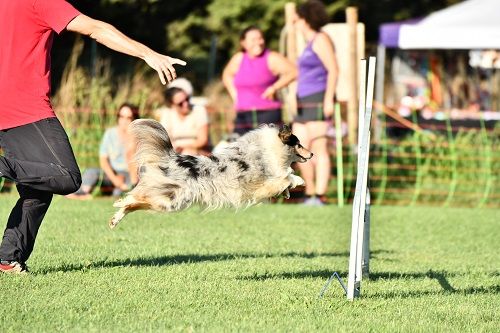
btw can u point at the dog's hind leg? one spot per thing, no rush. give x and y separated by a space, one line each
117 217
126 205
128 200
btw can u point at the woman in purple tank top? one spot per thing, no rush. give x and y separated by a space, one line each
252 77
318 71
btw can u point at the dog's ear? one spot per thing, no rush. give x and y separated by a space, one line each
284 134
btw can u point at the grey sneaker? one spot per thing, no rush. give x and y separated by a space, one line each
13 267
313 201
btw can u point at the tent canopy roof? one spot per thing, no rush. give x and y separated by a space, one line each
471 24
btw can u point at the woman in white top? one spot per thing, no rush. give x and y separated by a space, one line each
186 125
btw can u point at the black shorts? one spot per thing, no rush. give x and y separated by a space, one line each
249 120
310 108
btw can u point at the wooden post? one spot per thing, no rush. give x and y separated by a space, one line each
352 102
292 54
291 39
379 92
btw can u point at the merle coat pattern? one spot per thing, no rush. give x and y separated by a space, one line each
251 169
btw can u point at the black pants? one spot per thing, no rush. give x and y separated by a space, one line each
249 120
39 158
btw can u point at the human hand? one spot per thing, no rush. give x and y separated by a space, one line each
328 109
119 182
163 65
124 187
269 93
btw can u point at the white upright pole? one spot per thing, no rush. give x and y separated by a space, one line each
361 220
363 252
362 100
359 203
365 245
361 198
352 289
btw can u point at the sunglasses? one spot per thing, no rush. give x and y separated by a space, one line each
127 117
181 103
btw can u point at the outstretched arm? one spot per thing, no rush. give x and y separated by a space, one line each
111 37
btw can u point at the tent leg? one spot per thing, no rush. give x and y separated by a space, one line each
379 91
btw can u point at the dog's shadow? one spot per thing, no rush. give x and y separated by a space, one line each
182 259
440 276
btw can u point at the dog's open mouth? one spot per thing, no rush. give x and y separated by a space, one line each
303 159
302 153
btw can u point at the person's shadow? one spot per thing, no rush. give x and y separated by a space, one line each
180 259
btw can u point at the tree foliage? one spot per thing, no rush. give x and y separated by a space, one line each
189 28
224 19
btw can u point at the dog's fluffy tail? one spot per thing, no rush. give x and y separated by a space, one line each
152 140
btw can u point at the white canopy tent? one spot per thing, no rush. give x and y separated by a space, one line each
472 24
468 25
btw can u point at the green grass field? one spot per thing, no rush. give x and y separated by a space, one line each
258 270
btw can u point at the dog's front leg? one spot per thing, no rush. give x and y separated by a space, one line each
292 182
295 181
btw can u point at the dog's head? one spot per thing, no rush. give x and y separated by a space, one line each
300 154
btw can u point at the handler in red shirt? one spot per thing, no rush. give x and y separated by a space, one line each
38 155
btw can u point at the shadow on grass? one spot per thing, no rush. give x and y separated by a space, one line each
421 293
324 274
441 278
184 259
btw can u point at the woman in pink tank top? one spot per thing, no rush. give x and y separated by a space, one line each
252 77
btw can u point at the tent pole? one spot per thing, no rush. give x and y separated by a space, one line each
352 102
379 91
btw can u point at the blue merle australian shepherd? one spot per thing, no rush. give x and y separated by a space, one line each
247 171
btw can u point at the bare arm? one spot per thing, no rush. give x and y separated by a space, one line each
229 72
201 139
284 68
324 48
109 36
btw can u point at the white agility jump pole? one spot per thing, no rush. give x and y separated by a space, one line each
360 237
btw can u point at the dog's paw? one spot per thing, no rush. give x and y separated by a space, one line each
296 181
116 218
112 222
286 193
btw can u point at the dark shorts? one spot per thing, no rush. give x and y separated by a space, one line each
310 108
249 120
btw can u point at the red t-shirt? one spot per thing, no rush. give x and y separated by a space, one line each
26 31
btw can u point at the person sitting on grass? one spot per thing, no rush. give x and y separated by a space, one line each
114 158
186 124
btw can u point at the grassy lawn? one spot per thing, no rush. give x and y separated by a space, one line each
432 269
